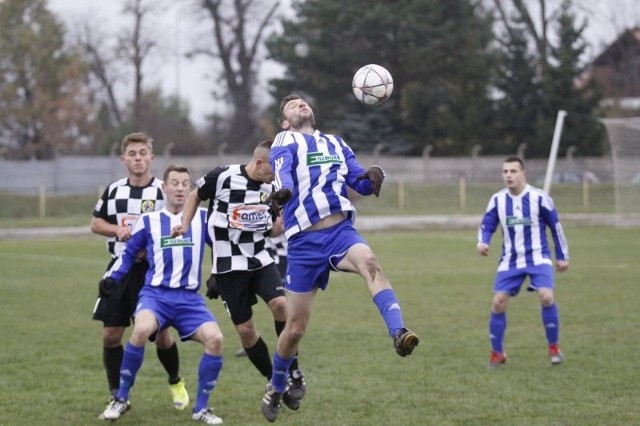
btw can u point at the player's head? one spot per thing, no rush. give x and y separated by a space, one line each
514 174
176 187
137 154
259 168
135 138
295 112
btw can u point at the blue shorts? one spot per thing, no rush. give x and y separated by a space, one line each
511 281
312 255
184 310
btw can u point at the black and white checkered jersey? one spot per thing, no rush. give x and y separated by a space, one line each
277 247
122 204
238 219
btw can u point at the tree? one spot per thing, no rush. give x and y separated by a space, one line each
44 103
436 51
237 39
520 100
135 45
528 114
581 129
166 119
111 56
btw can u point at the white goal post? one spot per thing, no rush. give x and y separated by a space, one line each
624 139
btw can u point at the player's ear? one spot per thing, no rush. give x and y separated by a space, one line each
285 125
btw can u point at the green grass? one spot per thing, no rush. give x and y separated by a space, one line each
18 210
52 368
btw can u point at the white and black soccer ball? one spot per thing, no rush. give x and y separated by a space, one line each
372 84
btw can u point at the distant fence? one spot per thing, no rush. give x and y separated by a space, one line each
86 175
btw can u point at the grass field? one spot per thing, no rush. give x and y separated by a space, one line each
51 353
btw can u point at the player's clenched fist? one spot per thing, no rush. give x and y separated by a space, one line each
376 175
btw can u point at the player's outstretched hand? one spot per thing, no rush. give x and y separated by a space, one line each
106 287
277 198
376 175
212 288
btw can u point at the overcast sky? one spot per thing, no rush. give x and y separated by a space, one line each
195 79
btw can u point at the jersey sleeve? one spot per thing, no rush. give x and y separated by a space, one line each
281 159
100 209
489 223
550 216
207 184
137 242
355 170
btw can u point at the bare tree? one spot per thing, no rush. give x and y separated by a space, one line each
101 65
135 45
238 29
519 12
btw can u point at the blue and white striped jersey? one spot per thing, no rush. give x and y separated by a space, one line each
317 169
173 262
524 219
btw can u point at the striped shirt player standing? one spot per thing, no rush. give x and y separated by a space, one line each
239 223
312 173
169 297
114 216
523 213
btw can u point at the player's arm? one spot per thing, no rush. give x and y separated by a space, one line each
281 160
189 211
123 264
101 226
487 227
550 217
364 182
278 226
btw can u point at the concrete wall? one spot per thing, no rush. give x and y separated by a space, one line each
77 174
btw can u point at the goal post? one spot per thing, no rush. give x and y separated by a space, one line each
624 138
553 153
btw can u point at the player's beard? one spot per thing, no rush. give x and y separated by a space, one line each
302 121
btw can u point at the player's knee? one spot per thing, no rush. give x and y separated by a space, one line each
112 336
546 297
296 332
278 306
165 340
372 268
499 304
213 340
246 330
141 334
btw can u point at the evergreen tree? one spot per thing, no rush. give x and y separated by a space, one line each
581 128
436 51
519 102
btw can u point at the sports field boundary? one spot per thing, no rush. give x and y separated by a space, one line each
363 223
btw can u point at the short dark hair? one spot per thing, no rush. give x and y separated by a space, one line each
285 101
174 168
514 159
265 144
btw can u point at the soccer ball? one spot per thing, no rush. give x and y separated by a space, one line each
372 84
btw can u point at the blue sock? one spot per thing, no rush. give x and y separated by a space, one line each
551 322
389 308
497 327
131 363
280 369
208 372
